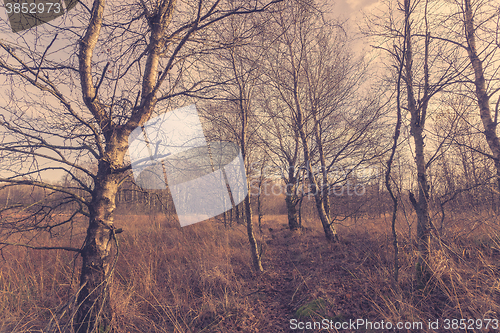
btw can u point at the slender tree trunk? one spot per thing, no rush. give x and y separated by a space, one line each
262 180
244 108
237 215
254 250
231 217
257 264
330 232
259 208
325 195
483 100
301 199
8 197
291 199
397 131
418 115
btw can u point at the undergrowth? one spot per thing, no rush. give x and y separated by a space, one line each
199 278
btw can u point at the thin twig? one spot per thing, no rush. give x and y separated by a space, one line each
43 57
42 247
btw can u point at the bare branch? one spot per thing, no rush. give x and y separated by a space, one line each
65 248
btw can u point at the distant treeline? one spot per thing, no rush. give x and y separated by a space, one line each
347 200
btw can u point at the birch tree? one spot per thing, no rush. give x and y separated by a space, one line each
239 65
407 32
484 65
330 131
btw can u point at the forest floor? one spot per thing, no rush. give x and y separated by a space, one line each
309 280
199 279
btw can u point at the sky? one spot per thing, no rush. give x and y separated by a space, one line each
345 10
350 9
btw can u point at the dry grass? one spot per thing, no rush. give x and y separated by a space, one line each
199 278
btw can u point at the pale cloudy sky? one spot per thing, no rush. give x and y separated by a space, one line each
351 9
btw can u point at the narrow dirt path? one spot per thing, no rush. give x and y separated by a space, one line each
308 279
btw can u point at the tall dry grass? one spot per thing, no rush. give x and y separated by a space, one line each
199 278
465 270
32 285
166 278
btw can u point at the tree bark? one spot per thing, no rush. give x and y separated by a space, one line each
259 210
483 100
254 250
291 199
257 264
325 195
93 312
397 132
244 109
330 232
418 115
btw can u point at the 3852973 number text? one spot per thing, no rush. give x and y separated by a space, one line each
33 8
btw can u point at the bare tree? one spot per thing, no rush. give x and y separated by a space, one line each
319 123
285 70
480 73
280 138
429 67
239 65
477 46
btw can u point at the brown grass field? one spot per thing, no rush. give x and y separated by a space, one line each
199 278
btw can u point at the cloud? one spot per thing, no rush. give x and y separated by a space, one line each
360 4
351 9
